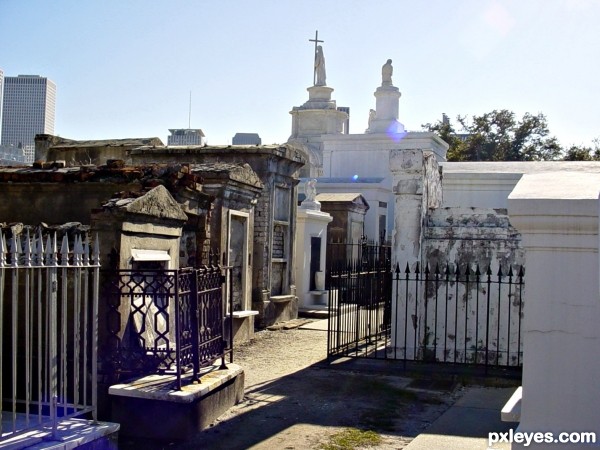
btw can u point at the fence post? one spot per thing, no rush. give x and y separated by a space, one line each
224 279
2 275
195 317
230 274
95 295
15 250
521 274
52 287
177 331
64 262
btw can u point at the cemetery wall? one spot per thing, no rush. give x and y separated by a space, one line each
471 236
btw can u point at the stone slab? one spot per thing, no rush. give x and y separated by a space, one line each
314 312
511 412
160 387
466 424
153 410
71 433
320 325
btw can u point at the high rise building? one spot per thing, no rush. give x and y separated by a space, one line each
186 136
29 106
246 139
1 92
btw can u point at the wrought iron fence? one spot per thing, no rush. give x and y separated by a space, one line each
48 341
165 321
457 314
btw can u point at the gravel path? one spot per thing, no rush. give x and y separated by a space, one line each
292 402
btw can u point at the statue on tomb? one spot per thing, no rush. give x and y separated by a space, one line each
310 190
386 73
372 116
320 67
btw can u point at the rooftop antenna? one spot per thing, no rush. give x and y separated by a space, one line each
190 113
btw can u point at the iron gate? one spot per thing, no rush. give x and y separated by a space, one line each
457 314
359 281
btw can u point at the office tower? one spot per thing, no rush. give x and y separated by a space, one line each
29 105
186 136
1 92
246 139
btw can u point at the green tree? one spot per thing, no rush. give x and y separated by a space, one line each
499 136
446 131
581 153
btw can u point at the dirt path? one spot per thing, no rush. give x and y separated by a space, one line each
292 402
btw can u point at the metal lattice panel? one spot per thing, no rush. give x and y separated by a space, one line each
164 321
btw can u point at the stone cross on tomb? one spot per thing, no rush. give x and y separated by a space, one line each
316 41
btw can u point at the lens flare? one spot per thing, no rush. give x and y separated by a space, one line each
394 133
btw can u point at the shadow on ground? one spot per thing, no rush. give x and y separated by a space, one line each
301 410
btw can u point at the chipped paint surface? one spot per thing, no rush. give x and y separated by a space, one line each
471 236
452 323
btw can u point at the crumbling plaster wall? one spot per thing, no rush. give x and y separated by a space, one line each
416 183
456 238
469 236
428 233
483 242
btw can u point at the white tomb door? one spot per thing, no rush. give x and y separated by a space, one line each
239 259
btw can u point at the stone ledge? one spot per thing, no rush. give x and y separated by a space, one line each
160 387
282 298
150 408
511 412
244 314
71 433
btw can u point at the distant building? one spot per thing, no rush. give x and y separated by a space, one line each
462 136
246 139
1 92
28 108
186 136
345 109
11 155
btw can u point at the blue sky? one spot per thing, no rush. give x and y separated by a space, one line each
125 68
